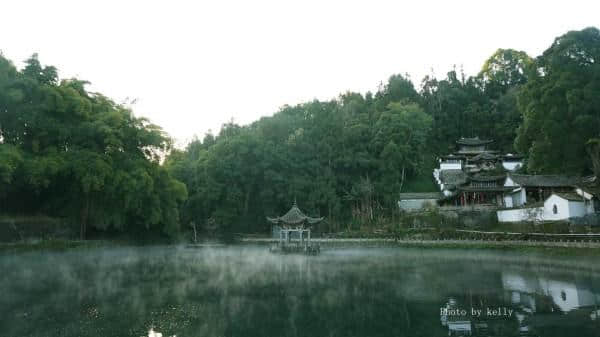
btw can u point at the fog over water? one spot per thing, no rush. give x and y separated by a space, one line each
246 291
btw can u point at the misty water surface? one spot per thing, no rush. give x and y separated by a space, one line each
245 291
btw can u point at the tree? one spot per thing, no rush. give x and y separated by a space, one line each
69 153
505 69
565 96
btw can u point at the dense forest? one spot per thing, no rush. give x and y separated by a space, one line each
71 153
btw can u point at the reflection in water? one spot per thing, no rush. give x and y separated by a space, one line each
539 304
245 291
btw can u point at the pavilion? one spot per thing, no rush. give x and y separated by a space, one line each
294 221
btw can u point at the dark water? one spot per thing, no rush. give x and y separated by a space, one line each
245 291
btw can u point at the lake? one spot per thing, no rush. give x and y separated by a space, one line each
246 291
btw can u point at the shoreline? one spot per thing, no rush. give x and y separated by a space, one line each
547 247
433 242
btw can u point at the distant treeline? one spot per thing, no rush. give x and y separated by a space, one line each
68 152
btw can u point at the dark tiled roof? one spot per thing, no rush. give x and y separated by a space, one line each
473 141
570 196
453 156
485 189
484 156
544 180
479 177
453 177
469 152
512 157
418 196
294 216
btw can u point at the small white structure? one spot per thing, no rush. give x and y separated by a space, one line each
558 206
512 162
532 188
561 206
451 162
413 202
515 197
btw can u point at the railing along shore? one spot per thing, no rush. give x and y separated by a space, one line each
531 240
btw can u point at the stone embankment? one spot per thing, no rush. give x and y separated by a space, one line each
387 242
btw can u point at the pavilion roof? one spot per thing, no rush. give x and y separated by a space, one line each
453 177
480 177
485 189
512 157
294 216
473 141
484 156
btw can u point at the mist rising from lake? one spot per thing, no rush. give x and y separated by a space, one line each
246 291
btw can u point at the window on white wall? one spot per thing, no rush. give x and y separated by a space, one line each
554 209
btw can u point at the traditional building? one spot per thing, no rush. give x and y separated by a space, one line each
549 198
293 231
482 190
473 146
483 162
527 189
474 174
558 206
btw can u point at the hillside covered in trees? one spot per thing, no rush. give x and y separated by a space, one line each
70 153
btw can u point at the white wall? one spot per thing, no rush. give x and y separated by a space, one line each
562 207
565 209
508 200
511 165
514 199
436 176
509 182
590 207
589 203
520 214
520 198
577 209
450 166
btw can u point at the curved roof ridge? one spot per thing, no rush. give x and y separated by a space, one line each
294 216
473 141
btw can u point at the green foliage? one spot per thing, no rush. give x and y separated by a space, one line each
69 153
561 105
343 159
505 69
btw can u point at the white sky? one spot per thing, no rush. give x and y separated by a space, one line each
194 65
